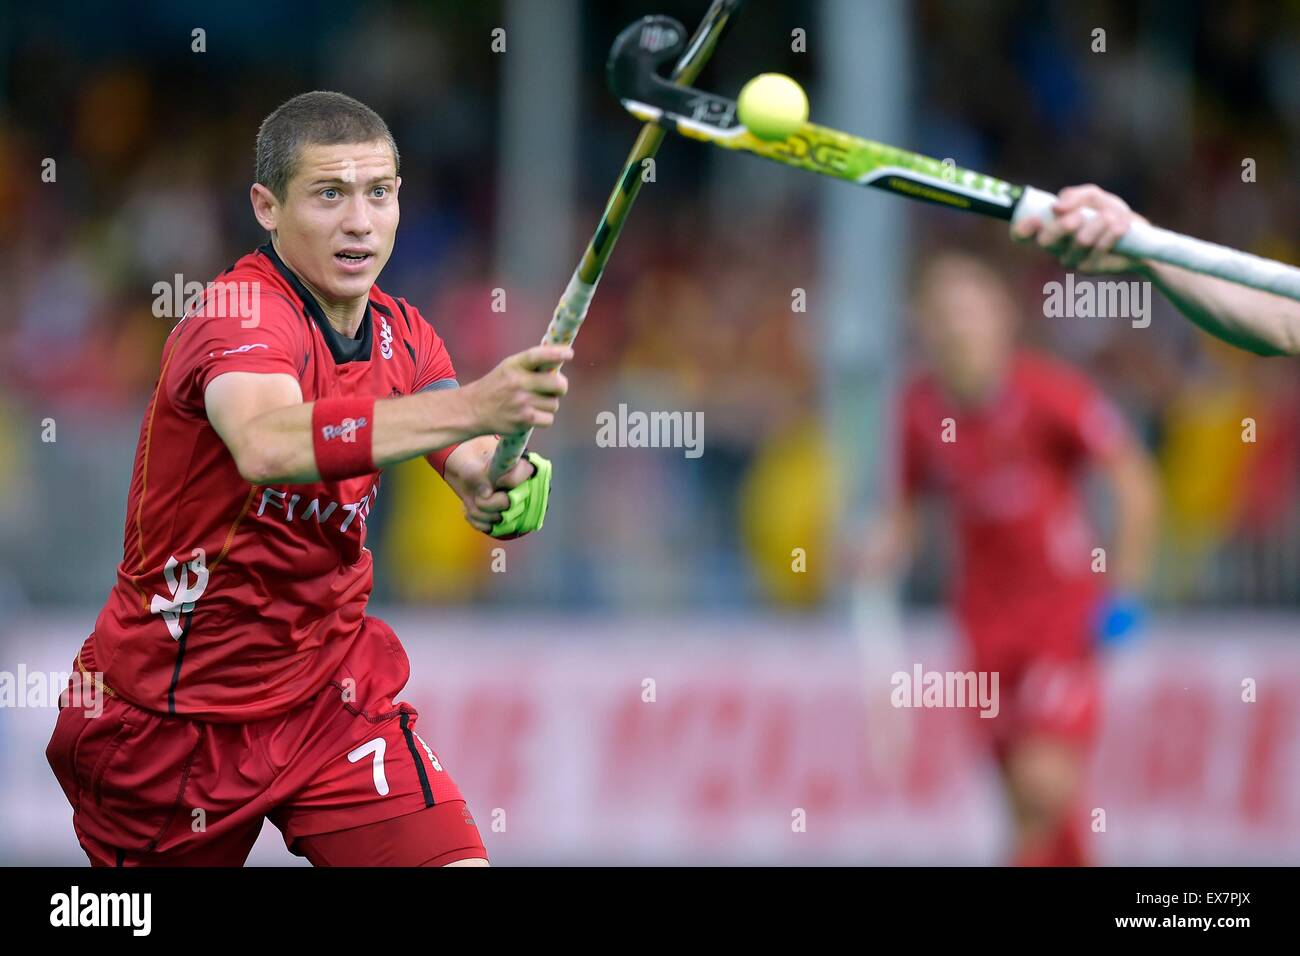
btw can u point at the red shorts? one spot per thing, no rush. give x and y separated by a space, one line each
1045 697
1049 684
152 789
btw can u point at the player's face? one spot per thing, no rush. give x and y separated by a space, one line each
967 323
337 224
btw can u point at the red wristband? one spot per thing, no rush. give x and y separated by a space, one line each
342 435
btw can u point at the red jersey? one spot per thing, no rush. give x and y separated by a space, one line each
1011 470
236 602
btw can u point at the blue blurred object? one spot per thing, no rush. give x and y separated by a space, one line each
1120 620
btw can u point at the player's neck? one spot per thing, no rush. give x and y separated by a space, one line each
345 317
979 392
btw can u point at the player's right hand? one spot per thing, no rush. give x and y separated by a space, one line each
1080 241
522 392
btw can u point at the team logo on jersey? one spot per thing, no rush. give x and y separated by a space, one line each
385 338
184 594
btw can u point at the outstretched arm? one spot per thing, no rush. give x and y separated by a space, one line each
1256 321
268 428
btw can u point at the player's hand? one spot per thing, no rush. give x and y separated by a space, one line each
517 504
1121 619
873 555
1080 241
522 392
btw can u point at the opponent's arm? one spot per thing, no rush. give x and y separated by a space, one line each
1132 477
270 432
1122 613
1256 321
886 547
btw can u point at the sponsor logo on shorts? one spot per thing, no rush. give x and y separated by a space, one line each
433 760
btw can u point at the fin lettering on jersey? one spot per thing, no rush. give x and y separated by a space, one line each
352 510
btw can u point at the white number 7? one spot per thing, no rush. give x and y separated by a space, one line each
376 747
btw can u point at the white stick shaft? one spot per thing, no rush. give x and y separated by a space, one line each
562 330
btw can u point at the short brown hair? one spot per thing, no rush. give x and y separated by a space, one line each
318 118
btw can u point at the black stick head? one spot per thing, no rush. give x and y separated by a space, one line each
640 51
633 71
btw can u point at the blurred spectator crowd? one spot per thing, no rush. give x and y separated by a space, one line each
153 154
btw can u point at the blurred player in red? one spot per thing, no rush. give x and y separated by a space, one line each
242 678
1007 437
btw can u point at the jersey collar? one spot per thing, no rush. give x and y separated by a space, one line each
341 347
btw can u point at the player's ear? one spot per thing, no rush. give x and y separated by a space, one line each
266 208
397 185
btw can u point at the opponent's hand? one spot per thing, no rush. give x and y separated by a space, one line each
517 505
522 392
873 554
1083 242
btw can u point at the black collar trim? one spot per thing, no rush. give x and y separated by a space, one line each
341 347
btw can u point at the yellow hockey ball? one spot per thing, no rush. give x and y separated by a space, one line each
772 106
